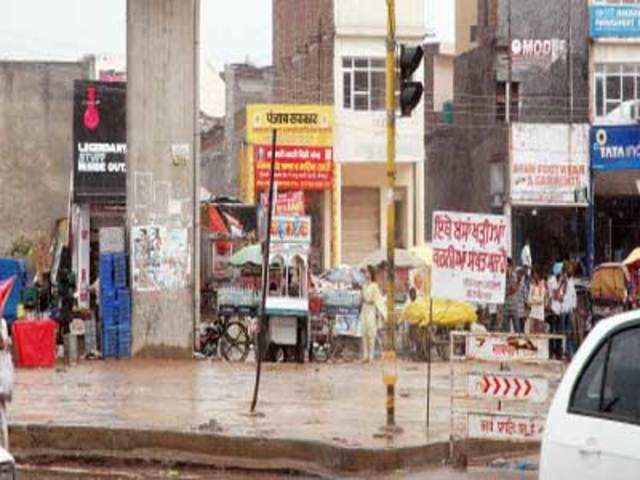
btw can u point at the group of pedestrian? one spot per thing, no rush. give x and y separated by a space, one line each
538 303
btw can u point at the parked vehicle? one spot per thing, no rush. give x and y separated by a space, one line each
593 427
226 337
609 290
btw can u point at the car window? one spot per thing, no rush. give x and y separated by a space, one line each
586 396
616 395
621 393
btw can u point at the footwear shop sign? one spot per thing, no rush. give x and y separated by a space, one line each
549 165
99 142
469 257
304 150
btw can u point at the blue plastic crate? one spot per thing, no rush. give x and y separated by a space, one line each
110 342
124 341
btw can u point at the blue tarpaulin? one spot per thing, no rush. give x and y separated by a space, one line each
10 267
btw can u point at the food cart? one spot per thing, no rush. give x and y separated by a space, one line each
287 329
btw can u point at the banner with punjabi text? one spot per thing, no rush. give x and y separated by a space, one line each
469 257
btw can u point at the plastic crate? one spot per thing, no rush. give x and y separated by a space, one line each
124 341
110 342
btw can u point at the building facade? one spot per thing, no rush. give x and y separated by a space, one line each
520 133
614 99
332 52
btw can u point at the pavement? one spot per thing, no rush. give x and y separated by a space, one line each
315 418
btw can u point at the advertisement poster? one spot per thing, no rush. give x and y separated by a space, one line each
287 203
615 21
160 257
537 51
469 257
506 348
304 152
292 229
348 325
99 142
615 148
549 165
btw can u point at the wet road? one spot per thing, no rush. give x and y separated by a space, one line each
84 473
340 404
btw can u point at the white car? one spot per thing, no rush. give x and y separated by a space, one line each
593 426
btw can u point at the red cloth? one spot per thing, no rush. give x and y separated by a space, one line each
35 343
5 291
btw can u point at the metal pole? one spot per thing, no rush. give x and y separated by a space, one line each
265 275
196 174
389 356
429 330
510 65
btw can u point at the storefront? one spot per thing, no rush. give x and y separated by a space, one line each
549 191
615 162
304 170
99 179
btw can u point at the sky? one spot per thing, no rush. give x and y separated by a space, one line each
68 29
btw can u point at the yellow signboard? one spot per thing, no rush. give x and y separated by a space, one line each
304 151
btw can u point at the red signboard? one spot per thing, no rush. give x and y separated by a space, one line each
287 203
297 167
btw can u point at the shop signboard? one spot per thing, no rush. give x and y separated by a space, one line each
503 426
469 257
611 21
304 151
549 165
537 51
99 142
615 147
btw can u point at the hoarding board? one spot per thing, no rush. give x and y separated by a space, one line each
469 257
615 147
304 150
549 165
99 142
611 21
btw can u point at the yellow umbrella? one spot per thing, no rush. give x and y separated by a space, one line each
446 313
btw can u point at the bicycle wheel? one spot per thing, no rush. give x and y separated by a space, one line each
235 344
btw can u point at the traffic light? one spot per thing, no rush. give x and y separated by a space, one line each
410 91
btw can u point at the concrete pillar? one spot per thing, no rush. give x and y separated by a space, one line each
162 60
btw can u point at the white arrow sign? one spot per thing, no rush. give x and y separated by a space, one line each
508 387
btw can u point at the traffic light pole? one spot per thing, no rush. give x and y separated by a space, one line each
389 355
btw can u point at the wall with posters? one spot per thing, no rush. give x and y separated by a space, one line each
469 257
549 164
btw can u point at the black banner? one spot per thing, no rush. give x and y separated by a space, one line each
99 142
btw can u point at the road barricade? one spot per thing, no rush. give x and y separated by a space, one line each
501 385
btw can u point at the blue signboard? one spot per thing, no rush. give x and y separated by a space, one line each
615 21
615 148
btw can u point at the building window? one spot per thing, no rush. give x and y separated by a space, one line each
364 83
473 33
617 92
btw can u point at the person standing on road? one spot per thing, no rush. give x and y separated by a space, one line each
556 286
372 307
537 300
511 306
526 260
569 305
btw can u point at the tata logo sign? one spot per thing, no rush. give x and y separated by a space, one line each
615 148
